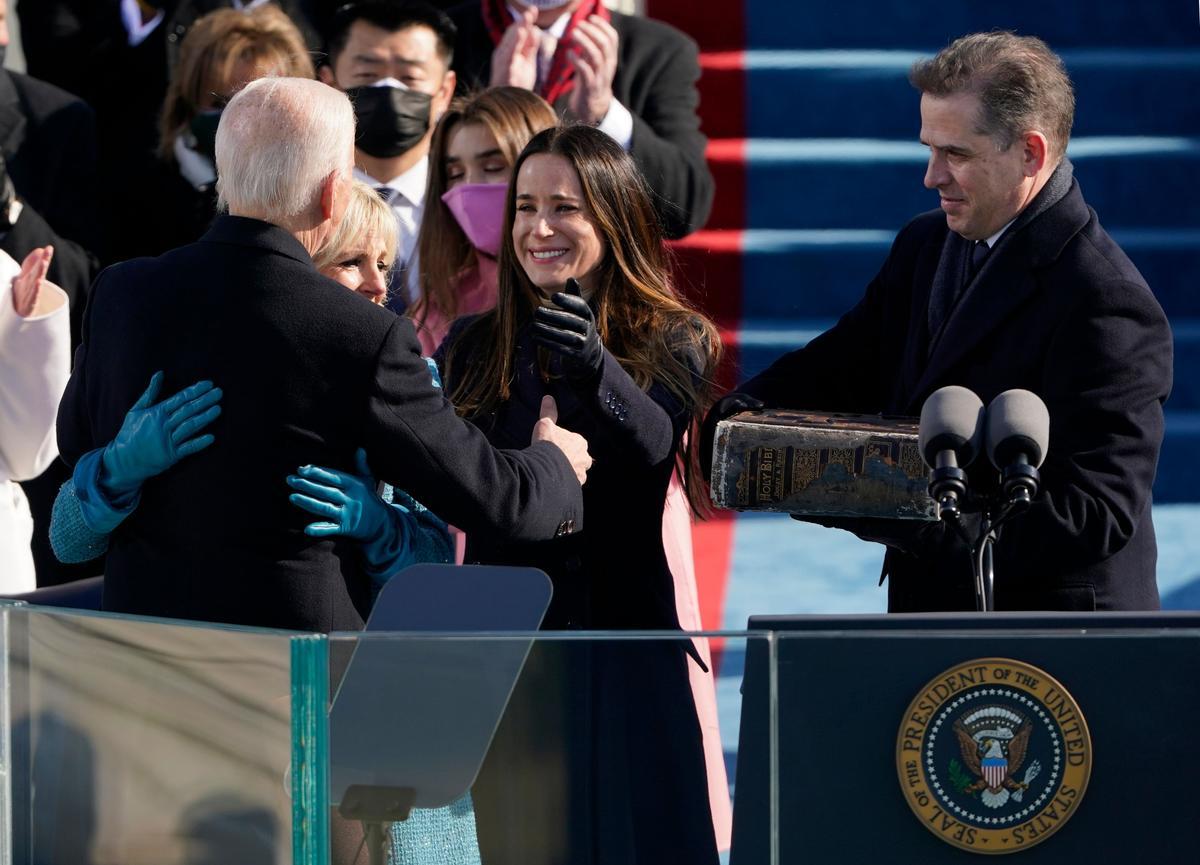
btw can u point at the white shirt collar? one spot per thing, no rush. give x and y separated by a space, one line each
991 241
557 29
410 184
131 17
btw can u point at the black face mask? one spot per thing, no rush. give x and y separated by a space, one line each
204 129
390 120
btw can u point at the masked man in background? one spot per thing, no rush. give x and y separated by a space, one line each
393 61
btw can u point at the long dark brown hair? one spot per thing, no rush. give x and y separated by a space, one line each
513 116
652 332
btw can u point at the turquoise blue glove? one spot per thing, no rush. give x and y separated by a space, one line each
156 436
352 509
349 504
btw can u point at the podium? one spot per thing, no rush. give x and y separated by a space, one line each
907 738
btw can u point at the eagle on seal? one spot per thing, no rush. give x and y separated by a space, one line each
994 756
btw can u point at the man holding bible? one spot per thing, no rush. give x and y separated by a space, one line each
1012 283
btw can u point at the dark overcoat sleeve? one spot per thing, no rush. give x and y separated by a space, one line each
851 367
656 80
419 444
75 433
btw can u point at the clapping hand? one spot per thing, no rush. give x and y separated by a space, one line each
595 60
28 287
155 436
347 503
571 332
514 62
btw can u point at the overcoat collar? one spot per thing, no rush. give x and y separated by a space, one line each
1005 282
244 231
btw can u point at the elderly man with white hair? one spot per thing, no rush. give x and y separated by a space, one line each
310 372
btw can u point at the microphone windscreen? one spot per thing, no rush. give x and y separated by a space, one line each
951 419
1018 422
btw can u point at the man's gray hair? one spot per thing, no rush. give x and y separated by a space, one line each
278 139
1020 82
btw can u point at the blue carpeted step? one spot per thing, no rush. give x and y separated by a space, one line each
1178 477
803 273
1185 392
1064 24
846 94
868 183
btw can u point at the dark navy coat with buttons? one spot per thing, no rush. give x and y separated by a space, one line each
599 758
615 574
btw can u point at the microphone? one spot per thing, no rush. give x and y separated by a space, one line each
1018 435
950 436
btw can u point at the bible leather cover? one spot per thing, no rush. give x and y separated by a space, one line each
816 464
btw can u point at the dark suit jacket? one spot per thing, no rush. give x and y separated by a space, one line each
1057 309
656 77
49 142
310 372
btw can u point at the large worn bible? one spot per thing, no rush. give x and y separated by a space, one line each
815 464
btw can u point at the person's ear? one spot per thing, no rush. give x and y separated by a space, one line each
325 76
1036 150
445 93
330 193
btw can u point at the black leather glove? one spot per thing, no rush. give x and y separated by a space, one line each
571 332
723 408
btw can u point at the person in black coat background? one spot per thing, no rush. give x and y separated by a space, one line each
48 196
640 85
599 757
1055 307
310 372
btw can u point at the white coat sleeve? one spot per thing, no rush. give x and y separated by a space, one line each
35 363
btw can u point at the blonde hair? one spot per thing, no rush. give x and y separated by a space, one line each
367 215
214 46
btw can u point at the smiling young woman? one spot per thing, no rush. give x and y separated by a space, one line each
586 315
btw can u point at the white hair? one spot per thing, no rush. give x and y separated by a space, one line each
279 138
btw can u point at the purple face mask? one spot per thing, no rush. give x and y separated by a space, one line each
479 209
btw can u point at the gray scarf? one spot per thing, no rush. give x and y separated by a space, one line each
950 280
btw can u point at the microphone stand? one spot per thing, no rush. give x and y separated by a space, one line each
983 548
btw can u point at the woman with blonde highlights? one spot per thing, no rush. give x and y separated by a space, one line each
223 52
588 324
361 252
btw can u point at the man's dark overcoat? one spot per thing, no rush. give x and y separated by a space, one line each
1057 309
310 372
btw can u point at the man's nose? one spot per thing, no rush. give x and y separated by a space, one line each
935 173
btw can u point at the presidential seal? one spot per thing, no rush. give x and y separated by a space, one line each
994 756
